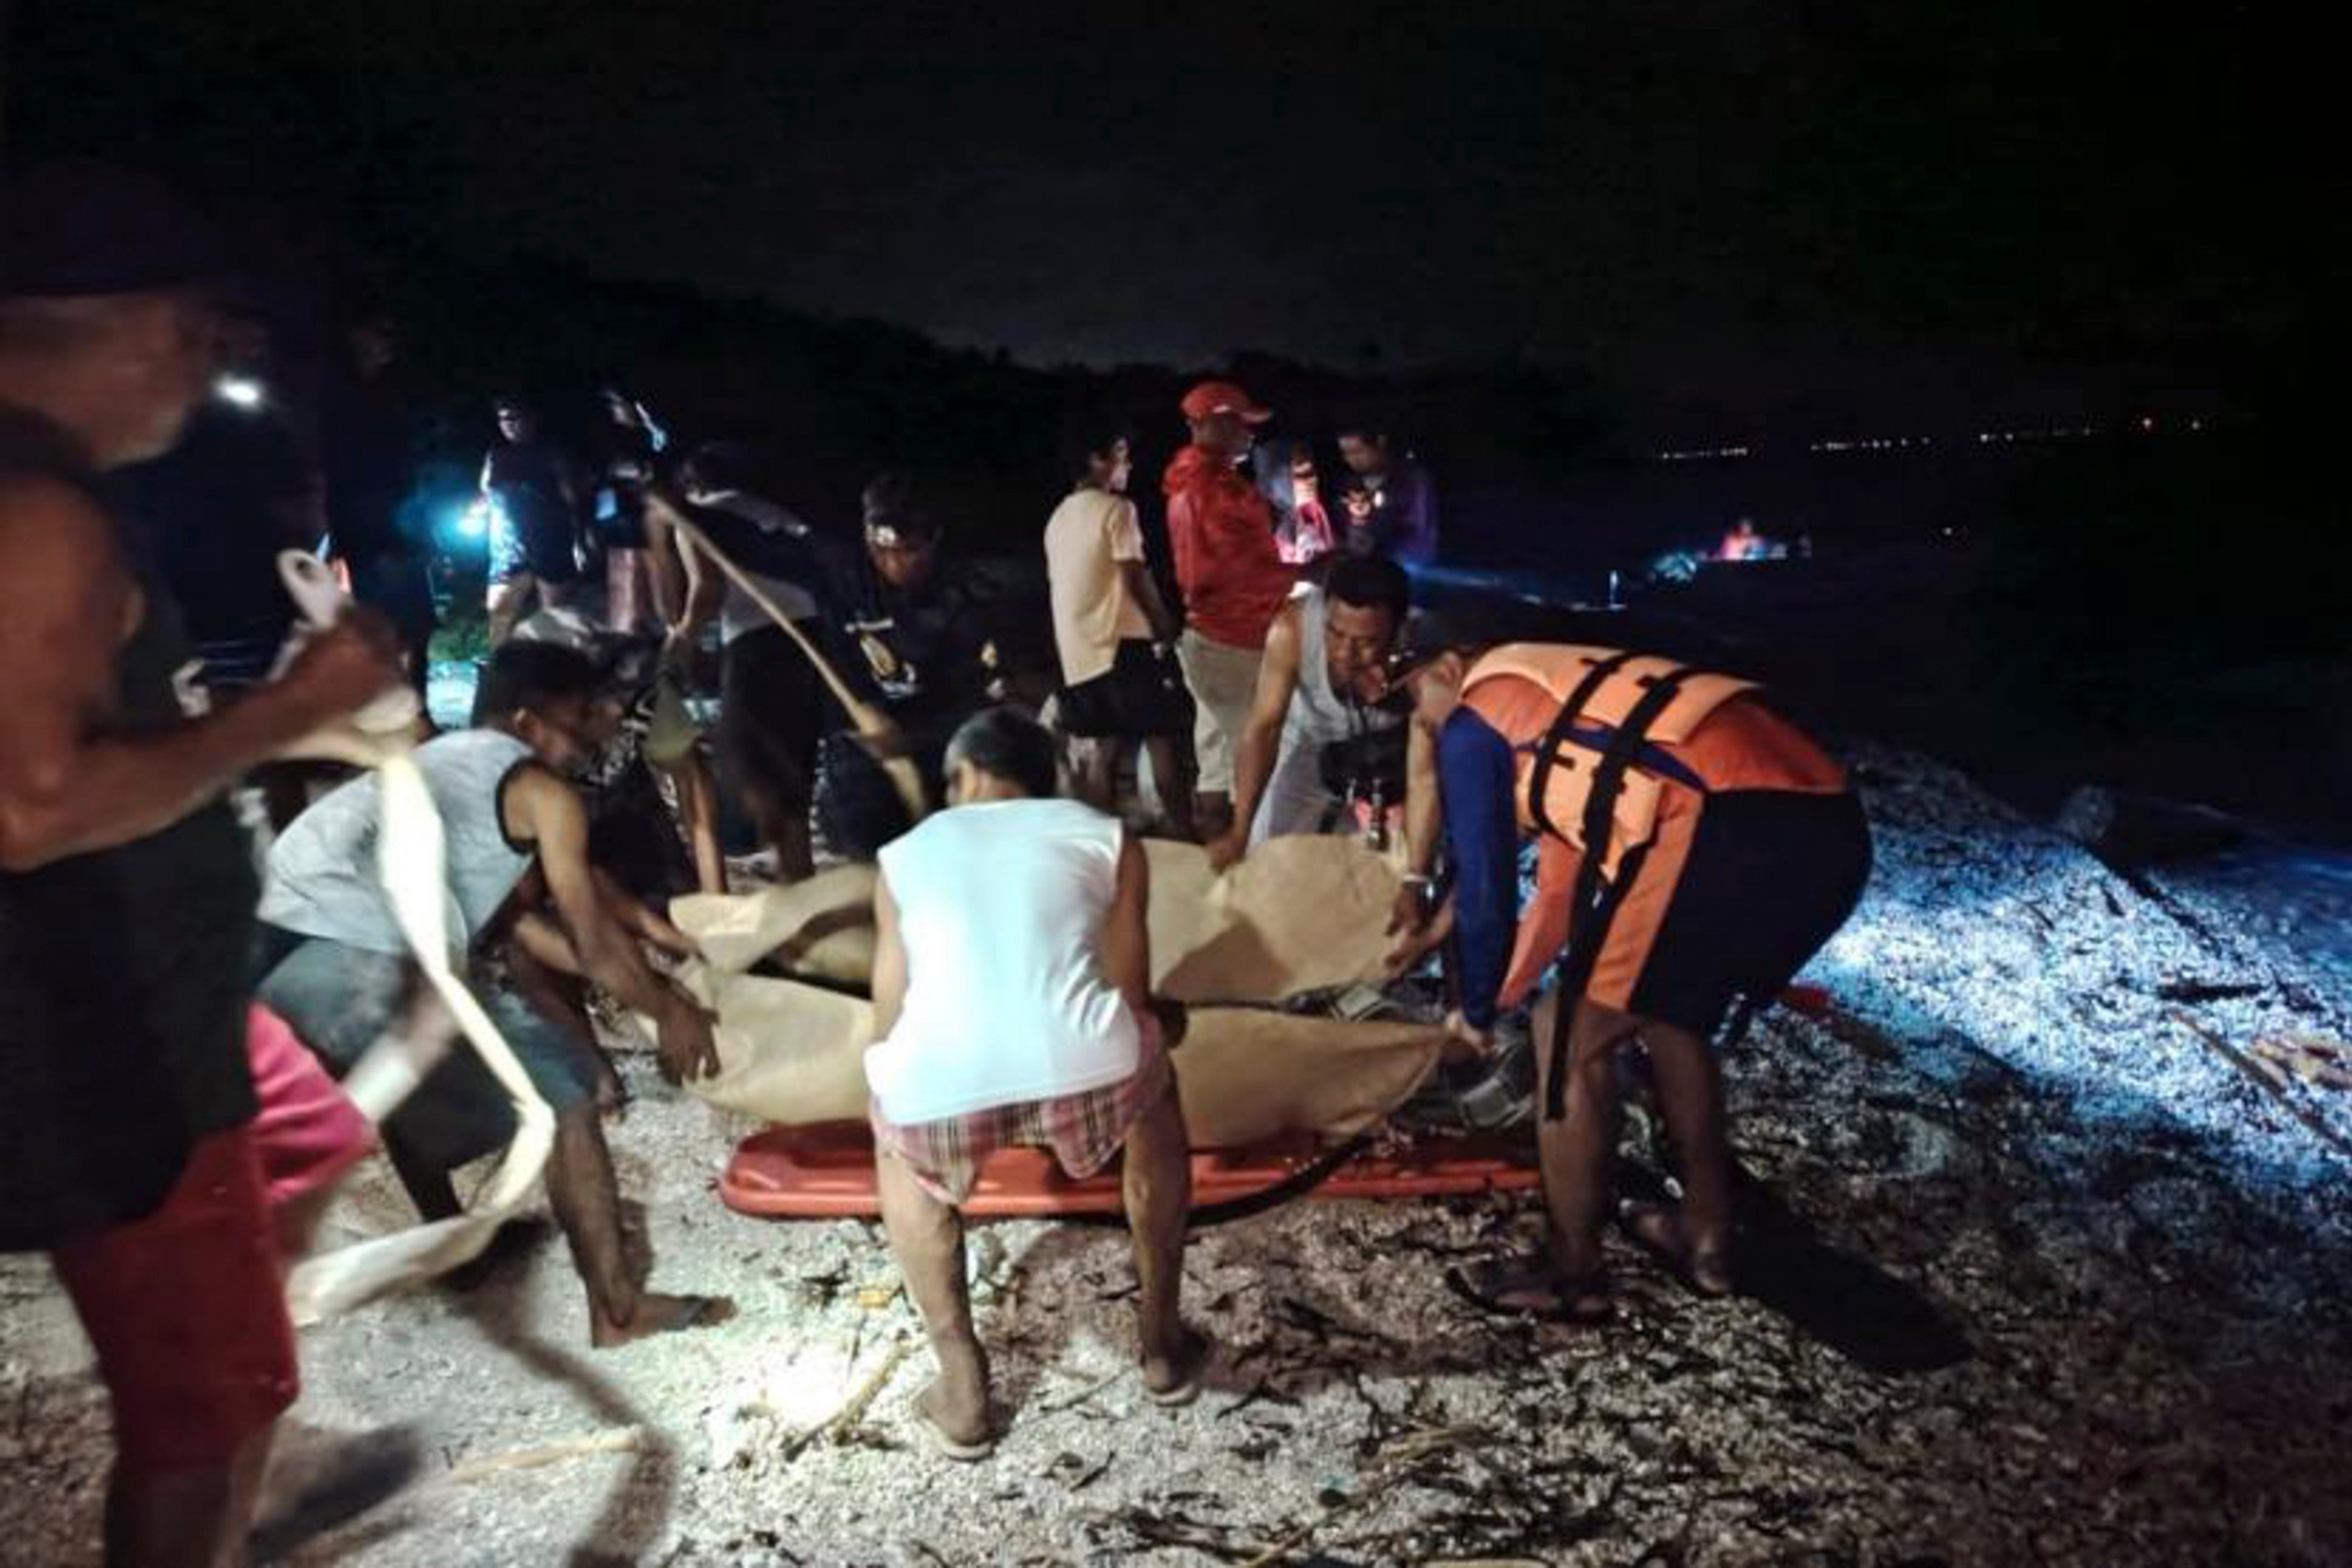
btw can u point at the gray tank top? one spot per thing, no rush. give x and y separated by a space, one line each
1318 715
322 877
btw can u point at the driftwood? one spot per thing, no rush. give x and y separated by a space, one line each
842 1422
620 1440
1398 1461
2267 1081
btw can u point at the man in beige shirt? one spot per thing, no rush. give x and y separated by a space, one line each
1118 689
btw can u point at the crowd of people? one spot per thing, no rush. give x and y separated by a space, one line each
1267 677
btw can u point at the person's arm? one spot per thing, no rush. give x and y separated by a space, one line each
1184 544
640 919
1126 950
1474 766
1141 588
543 811
1543 929
544 940
664 546
889 987
1261 738
68 784
1424 822
1128 557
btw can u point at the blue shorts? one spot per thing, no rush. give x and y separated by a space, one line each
341 999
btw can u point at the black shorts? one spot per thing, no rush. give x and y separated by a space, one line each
772 711
540 545
1139 697
1771 875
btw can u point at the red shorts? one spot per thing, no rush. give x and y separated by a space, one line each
307 1133
186 1310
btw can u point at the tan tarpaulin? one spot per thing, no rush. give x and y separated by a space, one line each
822 928
1299 915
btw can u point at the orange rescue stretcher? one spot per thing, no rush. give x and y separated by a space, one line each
826 1171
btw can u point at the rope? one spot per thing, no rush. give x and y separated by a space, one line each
870 721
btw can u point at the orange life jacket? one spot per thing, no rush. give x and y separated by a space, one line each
1618 694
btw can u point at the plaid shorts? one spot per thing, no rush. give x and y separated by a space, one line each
1085 1131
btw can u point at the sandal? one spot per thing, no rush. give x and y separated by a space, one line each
945 1445
1533 1288
1187 1386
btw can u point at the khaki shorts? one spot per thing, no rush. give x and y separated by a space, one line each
1223 683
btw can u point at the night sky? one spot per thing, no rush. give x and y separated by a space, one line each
1746 197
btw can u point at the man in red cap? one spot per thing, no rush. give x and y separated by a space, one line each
1232 576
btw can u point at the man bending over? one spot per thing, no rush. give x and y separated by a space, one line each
1011 1003
534 918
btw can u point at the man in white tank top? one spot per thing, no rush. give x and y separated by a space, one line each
1318 686
1011 1006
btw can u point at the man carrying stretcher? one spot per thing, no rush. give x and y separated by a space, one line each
1695 847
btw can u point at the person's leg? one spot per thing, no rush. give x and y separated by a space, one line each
179 1520
624 579
586 1198
1158 1187
1212 798
926 1239
766 741
186 1311
1169 776
509 599
1575 1150
697 811
1698 1233
1690 1095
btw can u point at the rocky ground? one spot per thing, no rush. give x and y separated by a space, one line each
2142 1247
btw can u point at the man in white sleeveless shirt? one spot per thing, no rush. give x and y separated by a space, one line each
1320 684
1012 1005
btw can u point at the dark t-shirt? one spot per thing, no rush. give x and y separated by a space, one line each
217 510
123 994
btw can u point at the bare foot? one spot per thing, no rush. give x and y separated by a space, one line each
1175 1378
958 1415
658 1315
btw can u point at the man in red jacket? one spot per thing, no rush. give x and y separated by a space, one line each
1232 577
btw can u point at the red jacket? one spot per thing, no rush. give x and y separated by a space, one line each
1220 531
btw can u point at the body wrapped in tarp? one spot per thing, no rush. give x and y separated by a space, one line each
1300 915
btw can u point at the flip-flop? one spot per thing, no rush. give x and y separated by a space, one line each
1656 1229
948 1447
1187 1388
1525 1287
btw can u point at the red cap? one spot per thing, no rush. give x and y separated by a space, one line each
1222 397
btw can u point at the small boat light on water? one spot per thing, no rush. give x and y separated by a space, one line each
243 392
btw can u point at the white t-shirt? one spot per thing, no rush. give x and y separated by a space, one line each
1000 910
1086 537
